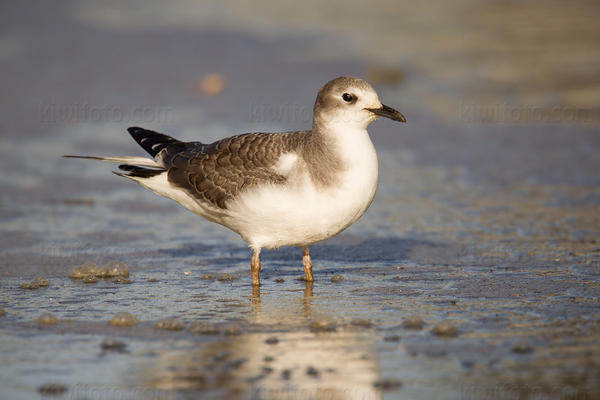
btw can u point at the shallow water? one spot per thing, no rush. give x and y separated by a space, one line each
490 228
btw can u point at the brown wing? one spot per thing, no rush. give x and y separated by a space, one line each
217 172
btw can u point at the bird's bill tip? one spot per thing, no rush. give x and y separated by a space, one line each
388 112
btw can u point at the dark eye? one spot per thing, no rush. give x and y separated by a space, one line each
347 97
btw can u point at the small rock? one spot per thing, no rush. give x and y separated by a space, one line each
152 280
203 328
90 279
109 344
225 277
312 371
322 326
363 323
123 319
267 370
522 348
47 319
232 331
124 281
279 280
286 374
387 384
40 281
114 269
445 329
392 338
337 278
171 324
52 389
272 340
268 359
235 364
36 283
187 273
207 277
412 323
2 312
84 270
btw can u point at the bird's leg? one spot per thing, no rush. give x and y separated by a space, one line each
307 263
255 264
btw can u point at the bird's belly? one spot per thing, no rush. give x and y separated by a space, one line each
302 214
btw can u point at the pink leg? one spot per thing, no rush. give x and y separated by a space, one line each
307 263
255 264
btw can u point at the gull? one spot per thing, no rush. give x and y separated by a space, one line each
274 189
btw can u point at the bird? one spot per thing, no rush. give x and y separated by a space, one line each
274 189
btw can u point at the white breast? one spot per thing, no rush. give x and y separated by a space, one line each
300 212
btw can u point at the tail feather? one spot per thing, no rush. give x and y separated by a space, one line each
133 160
139 172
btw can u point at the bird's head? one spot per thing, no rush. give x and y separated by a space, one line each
351 103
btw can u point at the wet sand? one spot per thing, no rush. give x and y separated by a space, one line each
475 273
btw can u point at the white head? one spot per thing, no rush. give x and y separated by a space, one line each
349 102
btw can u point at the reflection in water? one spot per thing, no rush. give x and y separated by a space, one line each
293 363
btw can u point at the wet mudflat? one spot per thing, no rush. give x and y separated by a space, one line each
475 274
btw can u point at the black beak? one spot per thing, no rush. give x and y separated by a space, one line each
387 112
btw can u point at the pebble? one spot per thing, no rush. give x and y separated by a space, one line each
279 280
152 280
286 374
123 319
40 281
84 270
207 277
363 323
2 312
272 340
445 329
225 277
52 389
322 326
36 283
337 278
312 371
387 384
232 331
47 319
522 348
413 323
124 281
114 269
393 338
91 278
203 328
110 344
171 324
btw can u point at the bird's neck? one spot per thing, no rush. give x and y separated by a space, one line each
333 150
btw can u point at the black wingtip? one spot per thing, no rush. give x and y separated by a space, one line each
152 142
134 129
